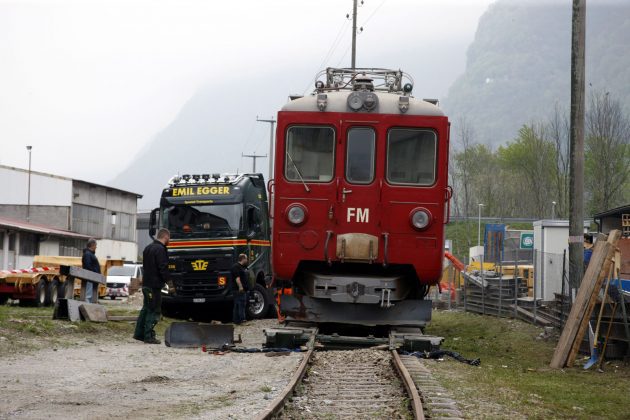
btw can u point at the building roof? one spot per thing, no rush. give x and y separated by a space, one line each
70 179
37 228
613 212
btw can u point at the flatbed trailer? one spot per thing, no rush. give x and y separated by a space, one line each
43 284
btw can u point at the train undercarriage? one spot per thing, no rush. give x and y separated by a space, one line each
359 294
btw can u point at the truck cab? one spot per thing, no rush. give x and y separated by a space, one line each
212 219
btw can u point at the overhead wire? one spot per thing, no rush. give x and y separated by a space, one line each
361 26
373 13
330 52
337 41
249 136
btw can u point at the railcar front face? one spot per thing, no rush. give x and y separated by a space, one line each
359 204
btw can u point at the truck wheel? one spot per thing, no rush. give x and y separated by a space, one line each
41 293
3 299
53 291
258 304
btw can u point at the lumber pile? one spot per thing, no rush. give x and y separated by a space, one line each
577 321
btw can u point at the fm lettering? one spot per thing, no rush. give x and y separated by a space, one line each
358 215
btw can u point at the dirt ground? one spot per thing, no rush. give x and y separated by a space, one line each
130 379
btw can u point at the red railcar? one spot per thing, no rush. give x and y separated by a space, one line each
360 200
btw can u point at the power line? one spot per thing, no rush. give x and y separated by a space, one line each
254 157
343 56
335 44
374 12
249 136
330 52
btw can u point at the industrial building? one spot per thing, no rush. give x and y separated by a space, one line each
44 214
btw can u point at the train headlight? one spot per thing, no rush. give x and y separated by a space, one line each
355 101
420 218
296 214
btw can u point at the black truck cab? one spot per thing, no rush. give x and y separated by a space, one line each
213 219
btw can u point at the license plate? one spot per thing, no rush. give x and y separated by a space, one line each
199 300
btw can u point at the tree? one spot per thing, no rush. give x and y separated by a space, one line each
607 153
558 132
462 165
531 158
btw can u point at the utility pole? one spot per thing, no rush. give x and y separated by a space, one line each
254 157
576 184
271 121
28 202
354 33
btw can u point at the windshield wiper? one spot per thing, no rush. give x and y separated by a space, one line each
298 172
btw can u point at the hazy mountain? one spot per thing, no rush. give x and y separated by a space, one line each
218 123
207 136
518 66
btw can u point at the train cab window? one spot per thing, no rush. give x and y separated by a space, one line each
360 155
411 156
309 154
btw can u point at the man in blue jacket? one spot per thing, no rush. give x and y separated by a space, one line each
156 275
90 262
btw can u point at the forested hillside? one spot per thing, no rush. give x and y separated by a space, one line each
510 135
518 67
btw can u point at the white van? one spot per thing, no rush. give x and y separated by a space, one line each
119 278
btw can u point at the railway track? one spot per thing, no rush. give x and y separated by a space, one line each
362 383
357 384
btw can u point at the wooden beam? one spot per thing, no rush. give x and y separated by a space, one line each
608 265
578 318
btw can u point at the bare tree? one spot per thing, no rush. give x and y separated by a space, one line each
463 164
558 132
607 152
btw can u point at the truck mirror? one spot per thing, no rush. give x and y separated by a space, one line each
153 223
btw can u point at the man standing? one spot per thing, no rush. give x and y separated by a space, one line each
90 262
588 249
156 274
239 286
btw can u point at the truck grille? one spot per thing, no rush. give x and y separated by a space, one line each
197 275
190 285
207 264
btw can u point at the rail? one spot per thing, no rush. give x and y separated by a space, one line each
416 402
277 405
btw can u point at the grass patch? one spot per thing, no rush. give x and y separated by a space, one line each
514 376
28 329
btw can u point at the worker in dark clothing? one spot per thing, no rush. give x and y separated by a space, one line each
239 285
156 275
90 262
588 249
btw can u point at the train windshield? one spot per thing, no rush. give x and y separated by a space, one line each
309 154
203 221
360 155
411 156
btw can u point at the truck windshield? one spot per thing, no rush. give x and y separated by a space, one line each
203 221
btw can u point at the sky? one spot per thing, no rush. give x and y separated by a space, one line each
89 83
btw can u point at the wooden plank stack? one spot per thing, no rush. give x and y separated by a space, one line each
577 321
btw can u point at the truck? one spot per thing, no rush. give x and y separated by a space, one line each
212 219
43 283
